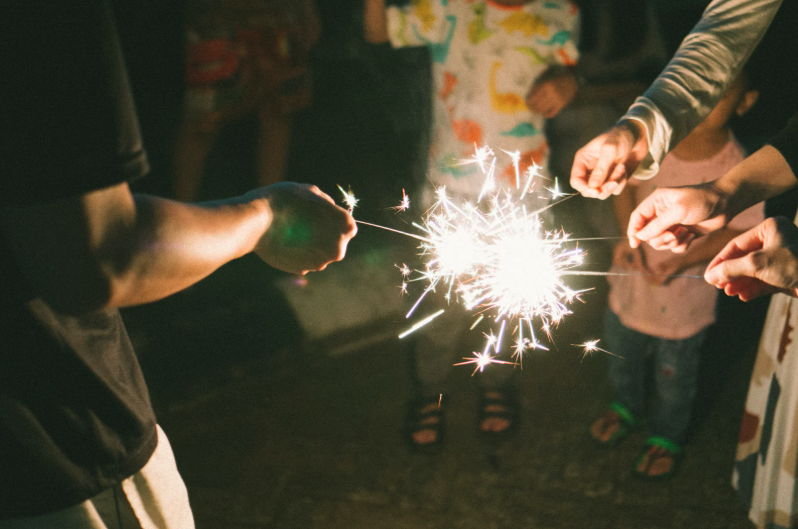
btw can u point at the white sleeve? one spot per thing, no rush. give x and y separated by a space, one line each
708 60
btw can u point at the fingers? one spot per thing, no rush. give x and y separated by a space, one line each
579 173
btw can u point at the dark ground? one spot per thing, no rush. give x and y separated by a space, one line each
271 430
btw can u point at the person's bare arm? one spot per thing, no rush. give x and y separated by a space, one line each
109 248
375 25
671 217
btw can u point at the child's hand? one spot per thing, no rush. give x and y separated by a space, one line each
629 258
550 95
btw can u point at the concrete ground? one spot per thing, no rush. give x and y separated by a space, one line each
274 430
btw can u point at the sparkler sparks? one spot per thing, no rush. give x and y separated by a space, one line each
404 205
591 347
349 199
495 257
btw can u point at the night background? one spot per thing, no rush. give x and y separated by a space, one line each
284 401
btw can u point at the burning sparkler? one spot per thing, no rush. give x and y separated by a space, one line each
349 199
495 257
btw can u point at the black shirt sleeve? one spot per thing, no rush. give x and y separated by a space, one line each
67 118
786 142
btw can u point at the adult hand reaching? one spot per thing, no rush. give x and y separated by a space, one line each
306 231
669 218
602 167
762 260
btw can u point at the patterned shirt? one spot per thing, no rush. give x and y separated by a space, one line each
486 57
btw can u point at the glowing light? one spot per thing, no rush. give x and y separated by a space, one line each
349 199
422 323
496 258
591 347
404 205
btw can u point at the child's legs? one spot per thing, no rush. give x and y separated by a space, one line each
627 370
676 375
436 348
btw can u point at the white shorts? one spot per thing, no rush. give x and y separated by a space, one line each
153 498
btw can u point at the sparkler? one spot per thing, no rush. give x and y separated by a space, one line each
495 257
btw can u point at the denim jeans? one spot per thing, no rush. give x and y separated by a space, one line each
675 364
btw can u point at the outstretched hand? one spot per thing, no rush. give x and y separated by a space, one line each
670 218
602 167
763 260
306 232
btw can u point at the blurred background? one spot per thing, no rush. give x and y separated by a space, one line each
284 396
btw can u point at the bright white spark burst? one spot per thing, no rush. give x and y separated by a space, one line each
495 257
349 199
591 347
404 205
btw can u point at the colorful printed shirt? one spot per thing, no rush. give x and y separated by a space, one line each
684 306
486 57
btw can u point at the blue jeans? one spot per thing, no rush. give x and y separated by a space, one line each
675 364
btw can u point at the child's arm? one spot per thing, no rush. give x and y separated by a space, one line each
552 91
375 24
696 254
623 255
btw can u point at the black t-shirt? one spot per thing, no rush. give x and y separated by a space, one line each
75 415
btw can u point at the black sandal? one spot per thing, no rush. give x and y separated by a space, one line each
425 414
498 404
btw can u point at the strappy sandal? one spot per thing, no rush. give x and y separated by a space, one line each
657 448
498 404
425 414
617 417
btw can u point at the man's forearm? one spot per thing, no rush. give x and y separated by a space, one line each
762 175
174 245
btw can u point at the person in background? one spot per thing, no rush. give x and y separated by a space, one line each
654 316
79 443
243 58
500 69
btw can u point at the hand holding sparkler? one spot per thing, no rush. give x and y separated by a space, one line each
602 167
670 218
305 232
762 260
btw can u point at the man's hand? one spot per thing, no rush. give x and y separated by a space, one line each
602 167
549 96
670 218
762 260
306 232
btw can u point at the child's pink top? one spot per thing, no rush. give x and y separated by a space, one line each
684 306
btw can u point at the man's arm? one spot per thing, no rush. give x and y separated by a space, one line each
109 248
710 58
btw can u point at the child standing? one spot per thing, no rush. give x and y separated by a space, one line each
500 68
656 317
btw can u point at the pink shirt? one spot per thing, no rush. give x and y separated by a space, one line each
684 306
